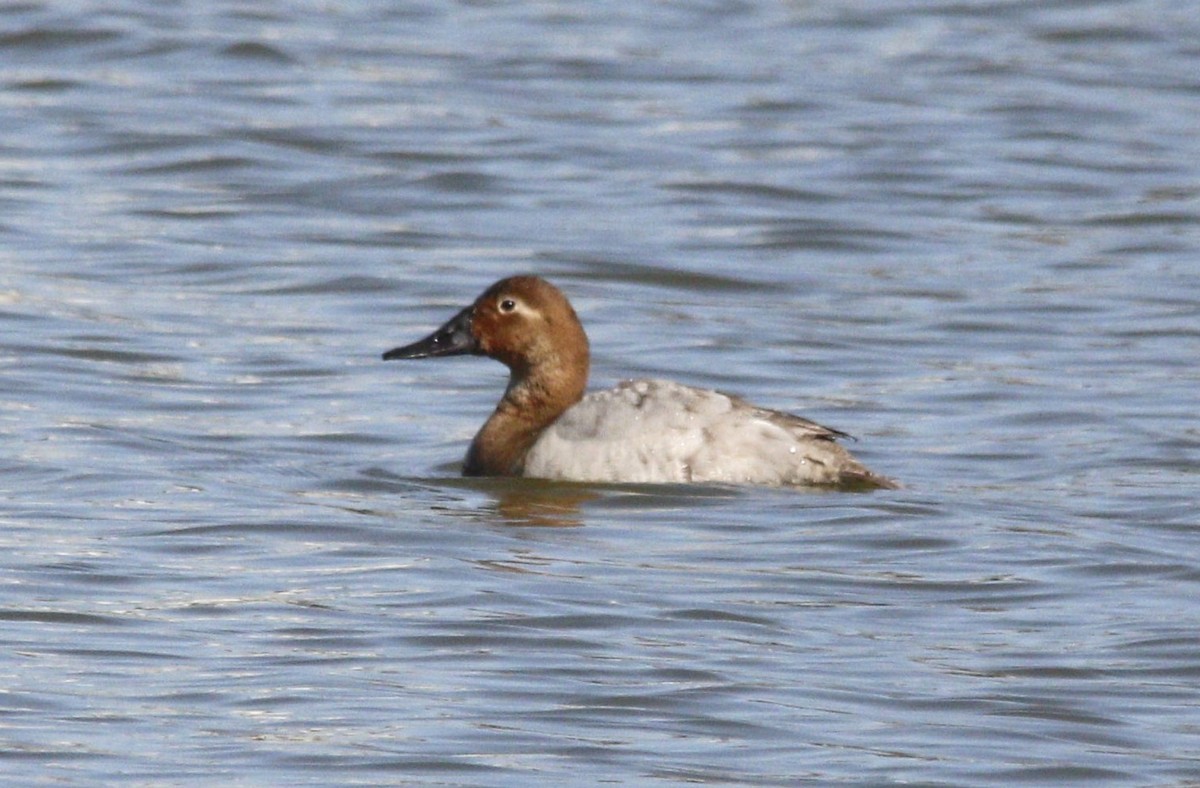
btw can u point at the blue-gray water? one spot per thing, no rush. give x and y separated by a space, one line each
235 549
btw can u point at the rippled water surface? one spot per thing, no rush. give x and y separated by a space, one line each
235 544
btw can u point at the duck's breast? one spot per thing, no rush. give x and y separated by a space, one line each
658 431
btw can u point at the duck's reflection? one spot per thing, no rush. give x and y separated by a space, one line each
528 502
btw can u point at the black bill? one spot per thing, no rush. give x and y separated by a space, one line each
452 339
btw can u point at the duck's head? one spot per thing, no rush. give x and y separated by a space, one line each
523 321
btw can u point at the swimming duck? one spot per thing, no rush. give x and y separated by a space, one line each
652 431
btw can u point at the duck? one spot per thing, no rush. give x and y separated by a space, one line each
642 431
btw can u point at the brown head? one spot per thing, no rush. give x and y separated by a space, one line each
523 321
528 324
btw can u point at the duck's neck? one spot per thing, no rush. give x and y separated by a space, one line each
534 399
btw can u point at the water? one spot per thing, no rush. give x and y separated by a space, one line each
235 546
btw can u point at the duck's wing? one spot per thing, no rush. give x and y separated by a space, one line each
799 426
660 431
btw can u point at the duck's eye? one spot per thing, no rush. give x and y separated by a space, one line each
508 305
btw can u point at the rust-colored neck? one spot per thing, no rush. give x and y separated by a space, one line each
536 396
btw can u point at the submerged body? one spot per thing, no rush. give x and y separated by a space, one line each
659 431
649 431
